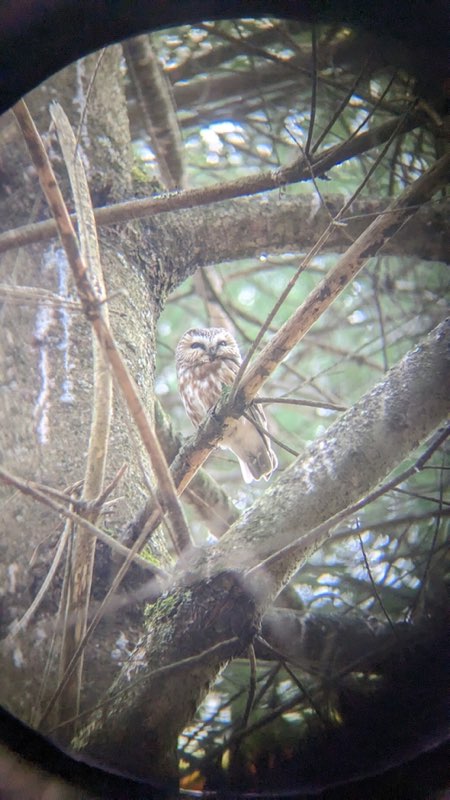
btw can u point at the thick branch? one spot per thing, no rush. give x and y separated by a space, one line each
300 170
249 226
325 644
356 453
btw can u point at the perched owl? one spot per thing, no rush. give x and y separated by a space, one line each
208 359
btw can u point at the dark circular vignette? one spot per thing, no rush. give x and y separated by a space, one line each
54 33
40 37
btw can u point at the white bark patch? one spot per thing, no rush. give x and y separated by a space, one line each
44 321
66 395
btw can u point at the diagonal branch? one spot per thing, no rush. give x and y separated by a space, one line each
347 267
157 107
93 309
367 245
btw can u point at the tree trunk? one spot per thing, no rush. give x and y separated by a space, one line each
47 402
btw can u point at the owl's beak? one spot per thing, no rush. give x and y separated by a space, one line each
212 352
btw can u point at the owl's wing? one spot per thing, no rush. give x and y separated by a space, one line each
256 413
228 369
252 446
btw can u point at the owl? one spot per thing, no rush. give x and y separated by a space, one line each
207 359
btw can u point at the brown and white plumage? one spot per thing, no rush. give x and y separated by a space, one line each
207 359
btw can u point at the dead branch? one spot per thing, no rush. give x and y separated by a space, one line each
93 310
80 578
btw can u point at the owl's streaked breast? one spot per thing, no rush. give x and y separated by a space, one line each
201 387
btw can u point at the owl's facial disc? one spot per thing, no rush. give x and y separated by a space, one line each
215 350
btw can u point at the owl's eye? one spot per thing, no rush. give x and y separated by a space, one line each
197 346
222 343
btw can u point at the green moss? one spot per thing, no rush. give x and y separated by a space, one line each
160 611
150 556
143 178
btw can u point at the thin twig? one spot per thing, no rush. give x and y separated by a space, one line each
375 590
251 688
22 623
100 501
167 668
265 432
341 108
30 488
72 665
311 536
100 56
297 402
432 549
32 295
312 115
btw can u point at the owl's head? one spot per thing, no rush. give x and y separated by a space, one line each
200 346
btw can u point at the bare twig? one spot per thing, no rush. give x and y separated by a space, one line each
312 115
31 295
298 402
251 688
265 432
21 624
182 664
101 499
375 589
72 665
32 489
92 79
